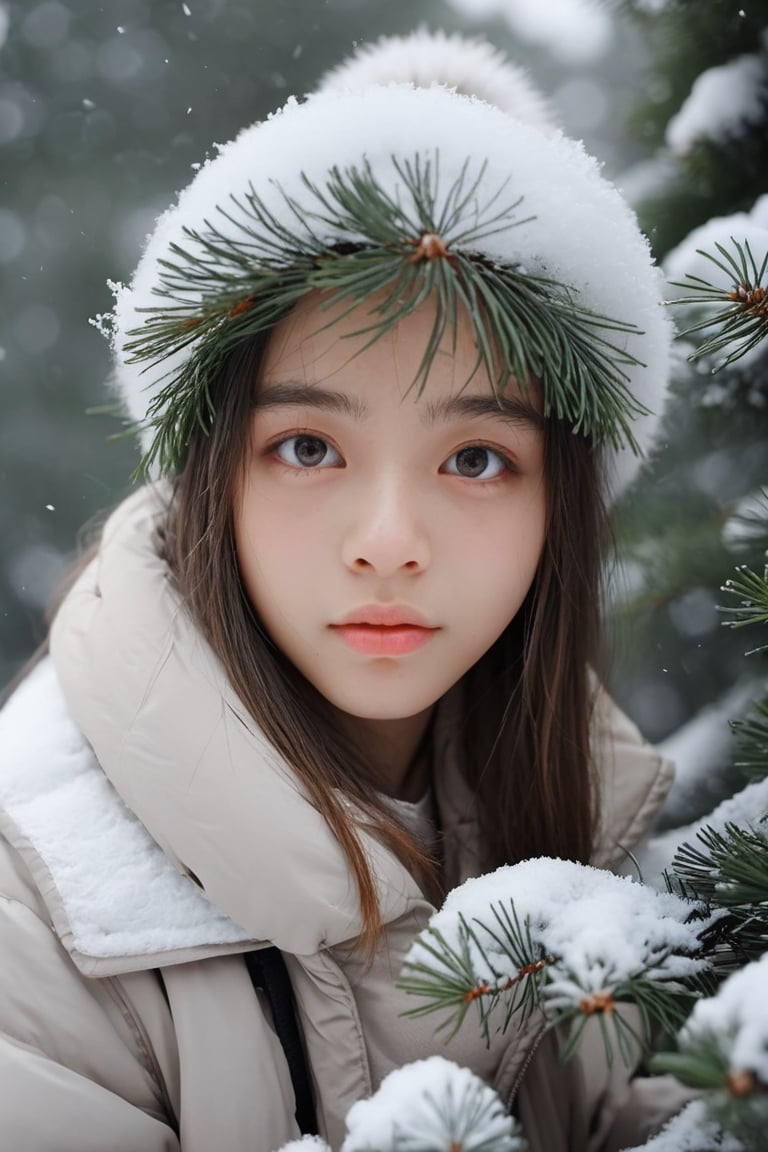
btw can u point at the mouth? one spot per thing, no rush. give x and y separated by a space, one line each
384 639
385 630
385 616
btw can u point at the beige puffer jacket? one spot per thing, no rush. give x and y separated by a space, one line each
128 1021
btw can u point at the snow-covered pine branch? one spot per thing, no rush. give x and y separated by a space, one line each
728 870
722 861
573 940
723 264
723 1049
721 102
431 1105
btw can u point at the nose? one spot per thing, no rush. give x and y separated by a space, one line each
387 535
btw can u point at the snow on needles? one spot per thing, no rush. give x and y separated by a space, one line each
722 102
738 1017
691 1131
687 258
746 809
429 1106
601 929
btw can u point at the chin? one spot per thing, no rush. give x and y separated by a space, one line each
378 709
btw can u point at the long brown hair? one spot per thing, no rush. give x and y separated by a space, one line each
526 730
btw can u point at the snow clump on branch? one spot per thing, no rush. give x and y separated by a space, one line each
722 102
307 1144
431 1106
600 930
745 809
570 941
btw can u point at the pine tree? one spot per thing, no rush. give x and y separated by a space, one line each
704 118
707 210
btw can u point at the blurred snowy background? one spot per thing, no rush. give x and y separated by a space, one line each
104 108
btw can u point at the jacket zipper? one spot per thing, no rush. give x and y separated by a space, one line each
150 1061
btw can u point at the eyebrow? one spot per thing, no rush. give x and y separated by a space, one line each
294 394
500 406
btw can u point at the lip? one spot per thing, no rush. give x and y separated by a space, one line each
386 616
385 630
384 640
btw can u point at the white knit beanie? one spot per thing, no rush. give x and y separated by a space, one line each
402 102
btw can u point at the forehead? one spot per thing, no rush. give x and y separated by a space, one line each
320 342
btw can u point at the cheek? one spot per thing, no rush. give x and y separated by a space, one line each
277 555
495 567
506 586
502 549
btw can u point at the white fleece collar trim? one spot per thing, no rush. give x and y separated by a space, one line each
114 891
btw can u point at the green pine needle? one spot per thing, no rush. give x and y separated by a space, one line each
452 978
752 736
728 871
449 981
752 589
743 323
700 1066
352 241
736 1099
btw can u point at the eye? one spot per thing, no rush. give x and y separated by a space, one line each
477 462
307 452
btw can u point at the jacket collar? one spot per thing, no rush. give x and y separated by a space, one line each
114 897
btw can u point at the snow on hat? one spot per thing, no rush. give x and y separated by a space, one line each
405 191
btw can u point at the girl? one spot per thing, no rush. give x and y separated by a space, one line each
388 355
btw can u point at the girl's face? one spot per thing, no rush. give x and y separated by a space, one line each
386 539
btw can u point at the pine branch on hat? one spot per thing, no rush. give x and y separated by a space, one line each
354 241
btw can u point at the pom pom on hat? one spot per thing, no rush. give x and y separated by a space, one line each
469 67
